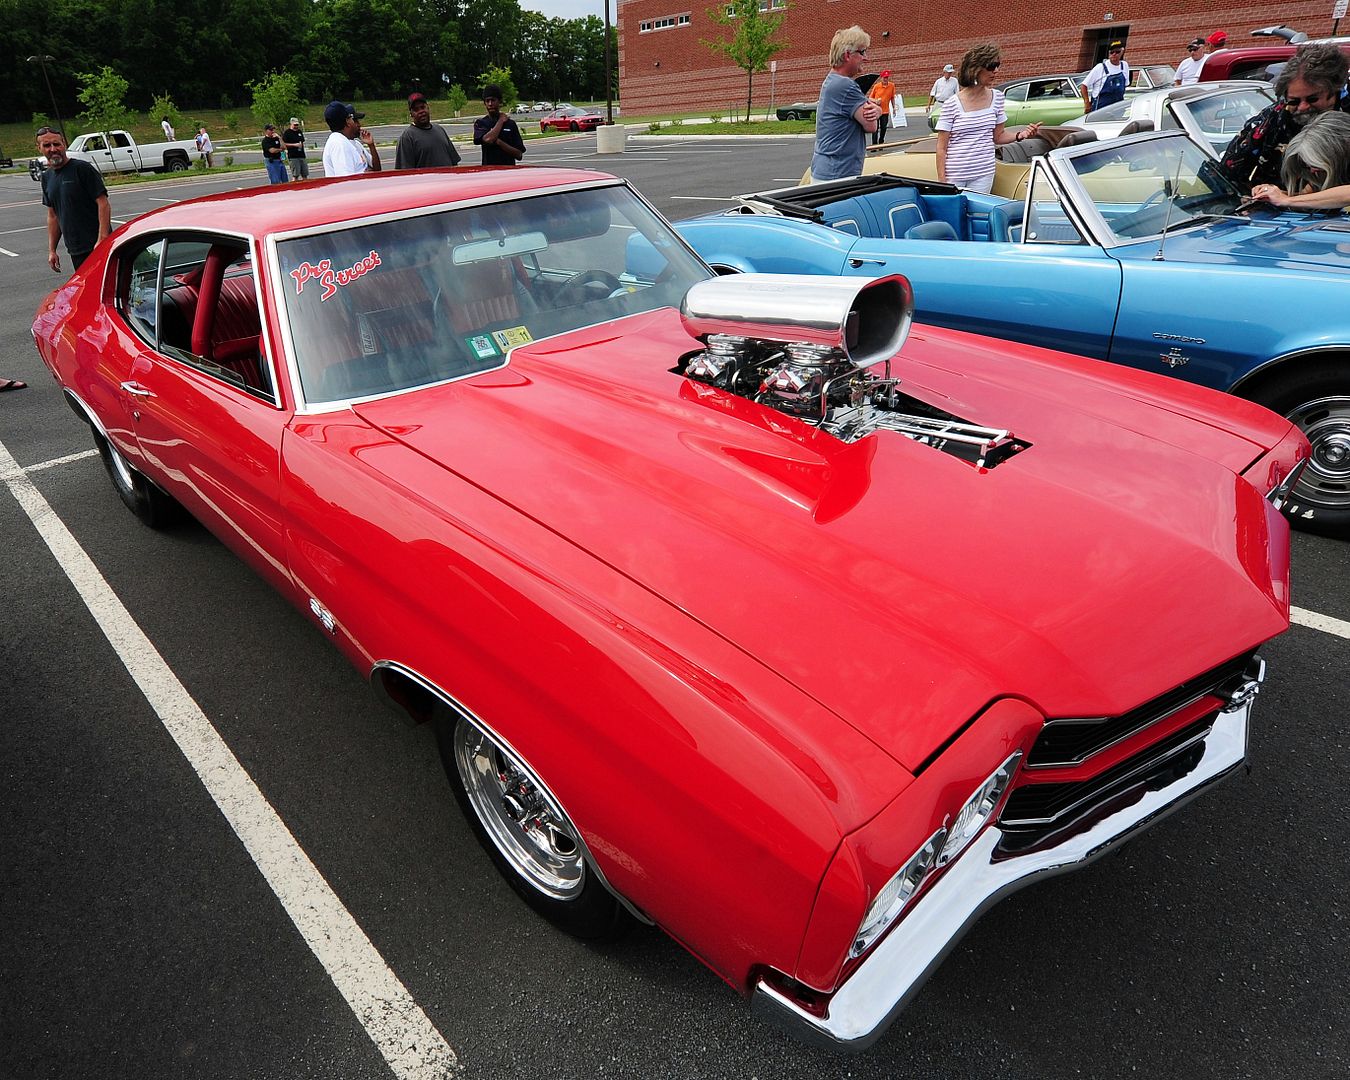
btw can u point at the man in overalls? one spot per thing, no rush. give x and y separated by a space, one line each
1106 83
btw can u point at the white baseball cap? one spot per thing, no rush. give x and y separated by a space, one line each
949 68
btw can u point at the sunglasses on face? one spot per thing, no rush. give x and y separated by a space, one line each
860 52
1311 99
994 66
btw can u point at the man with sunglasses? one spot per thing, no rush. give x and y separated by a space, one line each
844 115
1188 71
1106 83
1312 82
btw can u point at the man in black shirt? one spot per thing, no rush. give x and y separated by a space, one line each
496 132
423 145
76 200
271 148
294 139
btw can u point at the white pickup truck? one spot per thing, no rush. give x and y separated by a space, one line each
117 151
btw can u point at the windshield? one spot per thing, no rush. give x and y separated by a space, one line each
384 307
1219 117
1143 189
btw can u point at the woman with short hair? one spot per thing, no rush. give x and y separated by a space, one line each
971 123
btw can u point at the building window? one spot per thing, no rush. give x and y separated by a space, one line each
666 22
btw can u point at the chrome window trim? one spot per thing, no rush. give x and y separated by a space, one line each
894 971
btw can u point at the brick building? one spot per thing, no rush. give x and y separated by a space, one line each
664 65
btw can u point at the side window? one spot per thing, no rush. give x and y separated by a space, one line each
94 142
195 301
139 298
120 140
1047 222
1016 93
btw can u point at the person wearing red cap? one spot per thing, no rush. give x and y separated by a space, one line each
1216 41
883 93
424 145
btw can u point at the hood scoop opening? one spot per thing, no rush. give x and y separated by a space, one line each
805 348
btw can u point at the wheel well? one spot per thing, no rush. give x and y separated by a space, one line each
1252 386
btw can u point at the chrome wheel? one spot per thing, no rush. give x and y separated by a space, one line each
1326 480
519 815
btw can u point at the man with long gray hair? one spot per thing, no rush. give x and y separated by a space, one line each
1313 82
844 116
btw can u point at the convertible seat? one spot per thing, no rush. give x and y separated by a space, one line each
1003 220
1077 137
1134 127
932 230
477 295
1020 153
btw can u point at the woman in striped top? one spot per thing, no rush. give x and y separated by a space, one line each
971 123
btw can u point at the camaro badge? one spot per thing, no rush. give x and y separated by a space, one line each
1173 358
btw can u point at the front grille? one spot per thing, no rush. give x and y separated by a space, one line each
1071 742
1037 814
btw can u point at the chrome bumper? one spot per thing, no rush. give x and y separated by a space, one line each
861 1010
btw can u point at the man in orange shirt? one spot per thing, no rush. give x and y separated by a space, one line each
883 93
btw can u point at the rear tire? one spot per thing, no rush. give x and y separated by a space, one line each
141 495
1316 397
176 164
526 833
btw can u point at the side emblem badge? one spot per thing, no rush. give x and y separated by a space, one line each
323 615
1173 358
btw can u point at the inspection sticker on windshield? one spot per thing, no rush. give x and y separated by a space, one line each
482 346
511 337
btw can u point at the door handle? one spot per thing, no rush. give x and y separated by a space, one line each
136 389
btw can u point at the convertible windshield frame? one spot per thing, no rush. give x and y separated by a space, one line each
1069 167
437 351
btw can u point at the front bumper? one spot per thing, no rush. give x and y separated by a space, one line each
859 1012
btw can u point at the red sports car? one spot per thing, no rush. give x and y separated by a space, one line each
738 607
572 119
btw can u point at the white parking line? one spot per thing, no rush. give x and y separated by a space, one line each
1325 623
54 462
11 254
407 1039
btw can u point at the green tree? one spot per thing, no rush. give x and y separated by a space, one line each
104 99
502 77
457 98
163 106
751 45
276 97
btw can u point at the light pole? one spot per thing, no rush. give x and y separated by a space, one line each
609 92
43 60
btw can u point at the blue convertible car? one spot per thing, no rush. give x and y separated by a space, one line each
1134 251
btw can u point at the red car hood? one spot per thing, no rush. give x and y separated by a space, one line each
902 588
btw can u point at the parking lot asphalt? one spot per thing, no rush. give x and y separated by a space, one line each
141 937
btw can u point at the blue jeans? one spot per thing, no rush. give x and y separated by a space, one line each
276 172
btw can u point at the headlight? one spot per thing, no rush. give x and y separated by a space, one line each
977 811
896 894
940 849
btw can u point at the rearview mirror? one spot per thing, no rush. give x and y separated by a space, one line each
502 247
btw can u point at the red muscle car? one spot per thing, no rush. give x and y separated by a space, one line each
572 119
738 607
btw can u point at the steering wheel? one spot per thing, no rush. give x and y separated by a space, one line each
572 290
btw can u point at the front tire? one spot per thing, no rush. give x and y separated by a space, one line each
141 495
526 832
573 126
1316 397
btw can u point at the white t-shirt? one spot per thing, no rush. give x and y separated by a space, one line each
204 142
343 156
1188 71
944 88
168 129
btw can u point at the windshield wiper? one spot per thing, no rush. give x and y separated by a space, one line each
1198 219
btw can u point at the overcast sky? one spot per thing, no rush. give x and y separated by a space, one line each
572 9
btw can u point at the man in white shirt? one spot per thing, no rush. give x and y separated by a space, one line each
1188 71
1107 81
343 155
168 128
944 88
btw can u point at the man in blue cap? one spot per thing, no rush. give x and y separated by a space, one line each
343 155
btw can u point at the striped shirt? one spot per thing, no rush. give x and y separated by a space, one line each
970 151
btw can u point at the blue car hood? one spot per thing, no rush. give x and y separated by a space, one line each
1302 243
